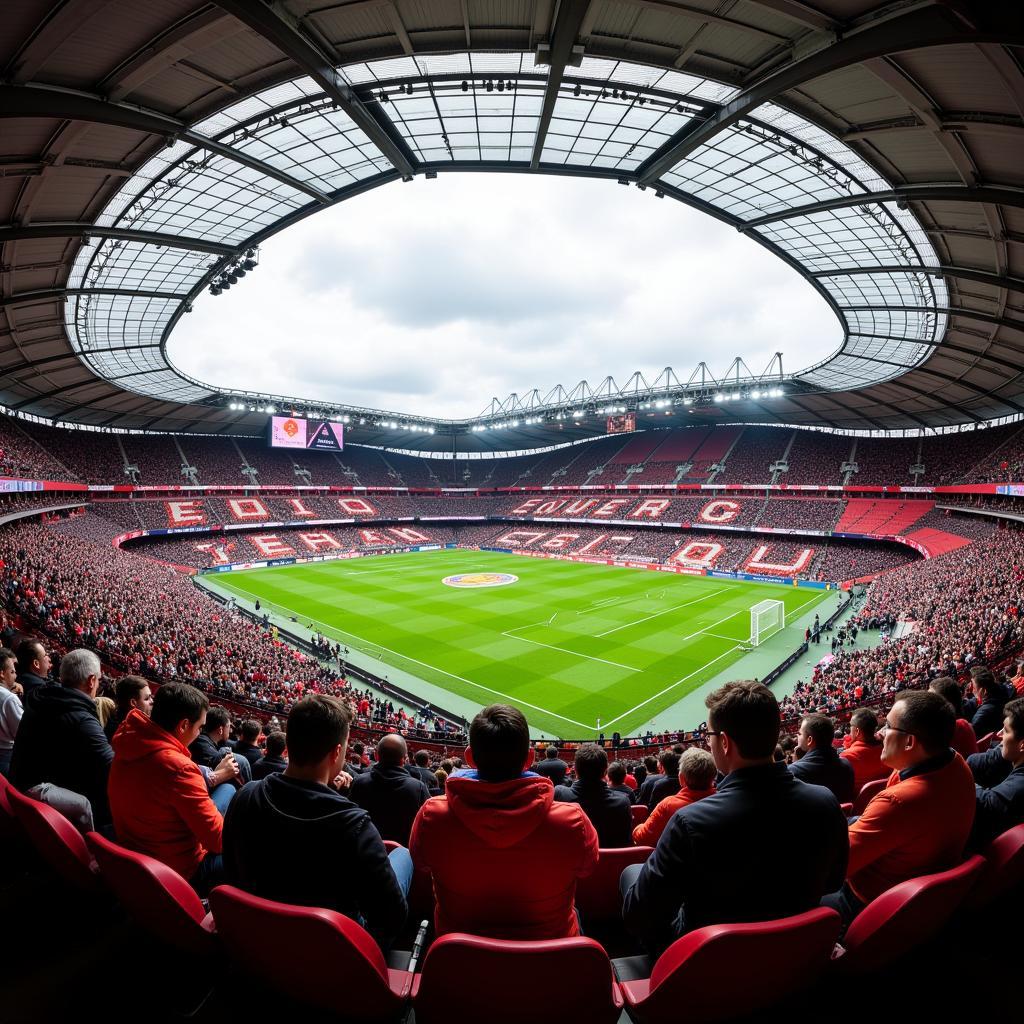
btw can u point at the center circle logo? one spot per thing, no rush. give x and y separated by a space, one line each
480 579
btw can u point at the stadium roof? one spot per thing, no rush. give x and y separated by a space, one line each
879 150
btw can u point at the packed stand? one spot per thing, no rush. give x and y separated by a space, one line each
23 457
885 460
816 457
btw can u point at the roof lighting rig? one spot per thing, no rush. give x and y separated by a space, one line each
235 270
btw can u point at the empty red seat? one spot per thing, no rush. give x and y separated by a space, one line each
57 841
469 978
332 962
597 895
640 814
156 896
867 791
730 970
892 924
1003 871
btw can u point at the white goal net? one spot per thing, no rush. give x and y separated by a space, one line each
766 619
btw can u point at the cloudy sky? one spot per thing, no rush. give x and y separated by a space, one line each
433 296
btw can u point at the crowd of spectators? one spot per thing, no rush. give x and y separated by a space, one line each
23 457
816 457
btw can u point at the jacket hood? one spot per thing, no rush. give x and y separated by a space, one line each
500 814
138 737
299 800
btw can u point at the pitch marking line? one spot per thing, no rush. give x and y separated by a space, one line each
451 675
564 650
665 611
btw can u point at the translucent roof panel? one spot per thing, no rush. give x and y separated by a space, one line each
643 76
881 289
139 265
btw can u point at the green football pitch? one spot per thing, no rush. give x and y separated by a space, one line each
568 642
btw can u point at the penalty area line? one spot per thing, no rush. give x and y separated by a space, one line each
564 650
665 611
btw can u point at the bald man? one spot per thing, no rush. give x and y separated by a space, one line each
388 793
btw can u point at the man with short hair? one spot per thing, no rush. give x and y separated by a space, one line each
921 821
388 793
617 776
60 740
420 769
864 754
666 782
991 696
609 812
129 692
295 837
820 763
697 772
964 741
552 767
503 853
651 775
999 780
158 796
33 666
211 749
11 708
274 759
249 733
702 870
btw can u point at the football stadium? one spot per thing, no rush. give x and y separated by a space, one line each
335 686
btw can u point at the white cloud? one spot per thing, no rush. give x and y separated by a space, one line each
431 297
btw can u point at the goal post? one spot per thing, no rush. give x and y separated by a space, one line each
766 619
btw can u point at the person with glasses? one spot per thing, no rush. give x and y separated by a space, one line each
764 846
921 821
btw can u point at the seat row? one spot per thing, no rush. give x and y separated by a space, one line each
336 966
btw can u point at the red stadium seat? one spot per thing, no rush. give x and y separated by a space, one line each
695 979
57 841
597 895
1003 871
156 896
867 791
890 926
986 741
469 978
640 814
333 963
846 808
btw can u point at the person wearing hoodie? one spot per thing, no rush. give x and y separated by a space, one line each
158 796
295 838
60 740
503 854
388 793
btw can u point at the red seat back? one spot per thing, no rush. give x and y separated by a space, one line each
867 791
986 741
640 814
696 977
891 925
156 896
469 978
597 895
1003 871
56 840
332 962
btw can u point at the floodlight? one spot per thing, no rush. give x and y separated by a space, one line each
577 90
719 398
271 410
465 86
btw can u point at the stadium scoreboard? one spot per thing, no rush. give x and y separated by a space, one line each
298 432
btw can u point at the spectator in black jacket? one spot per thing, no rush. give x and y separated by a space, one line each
294 836
820 763
999 778
609 812
420 769
991 696
60 739
552 767
246 747
390 795
646 775
666 783
274 759
33 665
211 746
701 870
617 781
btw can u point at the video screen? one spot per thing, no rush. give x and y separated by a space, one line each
298 432
622 424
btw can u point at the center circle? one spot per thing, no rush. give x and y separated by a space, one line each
480 579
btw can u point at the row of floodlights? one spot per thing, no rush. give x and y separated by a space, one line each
732 396
234 272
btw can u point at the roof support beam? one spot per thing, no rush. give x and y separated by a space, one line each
966 314
76 229
73 105
1014 284
564 31
904 29
59 294
278 27
939 193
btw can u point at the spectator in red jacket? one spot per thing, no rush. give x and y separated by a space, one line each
697 773
159 799
504 856
865 749
964 741
921 821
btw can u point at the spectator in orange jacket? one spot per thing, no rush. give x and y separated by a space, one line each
697 773
503 854
964 741
865 749
159 798
921 821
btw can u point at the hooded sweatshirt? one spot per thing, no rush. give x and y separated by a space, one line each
504 857
159 799
304 843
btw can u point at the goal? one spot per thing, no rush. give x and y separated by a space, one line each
766 619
